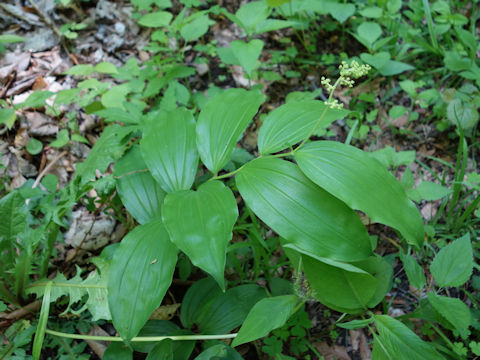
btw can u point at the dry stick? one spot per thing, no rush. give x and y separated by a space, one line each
47 168
46 19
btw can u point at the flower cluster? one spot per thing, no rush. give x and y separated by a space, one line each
333 104
347 72
354 70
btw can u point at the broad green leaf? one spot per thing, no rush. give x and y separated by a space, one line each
13 213
219 352
63 137
10 38
196 297
369 32
162 351
259 321
108 148
453 310
348 291
273 3
293 122
196 28
34 146
80 70
339 11
393 67
141 195
251 14
168 148
272 25
117 351
431 191
413 270
7 117
247 53
105 68
37 99
377 60
227 311
400 343
363 184
301 212
156 19
141 272
453 265
200 223
464 113
222 122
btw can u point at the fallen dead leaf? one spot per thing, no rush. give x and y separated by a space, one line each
165 312
334 352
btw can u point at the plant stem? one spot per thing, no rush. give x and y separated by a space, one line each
142 338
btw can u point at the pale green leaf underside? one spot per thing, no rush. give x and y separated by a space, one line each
363 184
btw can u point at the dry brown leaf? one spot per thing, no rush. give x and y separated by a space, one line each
164 312
334 352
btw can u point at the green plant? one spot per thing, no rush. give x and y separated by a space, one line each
154 181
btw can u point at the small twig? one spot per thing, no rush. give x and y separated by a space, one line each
47 168
18 314
46 19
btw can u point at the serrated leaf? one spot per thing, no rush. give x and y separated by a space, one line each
293 122
94 288
141 272
453 310
169 150
413 270
141 195
453 265
228 310
222 122
259 321
396 341
362 183
301 212
108 148
196 28
251 14
200 223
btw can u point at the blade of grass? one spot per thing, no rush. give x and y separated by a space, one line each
42 323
